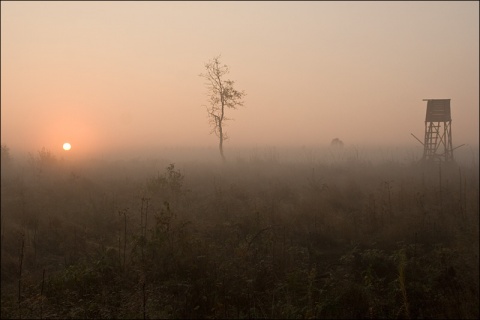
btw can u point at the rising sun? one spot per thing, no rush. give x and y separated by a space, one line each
66 146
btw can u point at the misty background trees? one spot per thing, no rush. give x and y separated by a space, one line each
336 143
6 157
222 95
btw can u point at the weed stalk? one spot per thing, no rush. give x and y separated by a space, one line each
20 276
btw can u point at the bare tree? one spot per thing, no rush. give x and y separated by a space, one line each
222 95
6 157
336 143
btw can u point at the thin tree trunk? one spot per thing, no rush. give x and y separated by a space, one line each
141 230
141 217
221 142
125 241
146 220
144 301
20 278
41 295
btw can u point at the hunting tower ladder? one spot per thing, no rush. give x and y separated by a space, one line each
437 144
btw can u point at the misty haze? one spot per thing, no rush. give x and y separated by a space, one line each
239 160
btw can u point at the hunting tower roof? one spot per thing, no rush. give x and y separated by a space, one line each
438 110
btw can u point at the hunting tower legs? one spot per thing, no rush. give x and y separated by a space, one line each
438 131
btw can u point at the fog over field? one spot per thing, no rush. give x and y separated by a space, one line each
268 233
166 160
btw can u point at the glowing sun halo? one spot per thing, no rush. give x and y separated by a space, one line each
66 146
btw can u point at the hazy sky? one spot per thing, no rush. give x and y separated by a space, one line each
117 75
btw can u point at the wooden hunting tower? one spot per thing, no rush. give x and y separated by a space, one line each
438 131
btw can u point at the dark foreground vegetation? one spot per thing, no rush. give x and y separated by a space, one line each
245 239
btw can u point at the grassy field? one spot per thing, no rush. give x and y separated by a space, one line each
338 236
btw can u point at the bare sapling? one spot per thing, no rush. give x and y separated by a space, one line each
41 294
124 213
222 96
144 301
20 276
